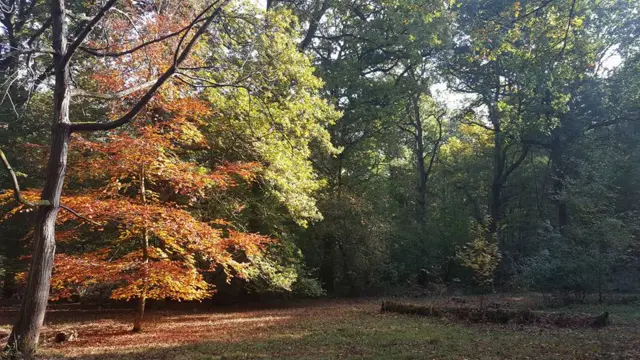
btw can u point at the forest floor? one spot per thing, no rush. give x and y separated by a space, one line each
328 329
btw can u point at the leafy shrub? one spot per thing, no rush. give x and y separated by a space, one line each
281 270
569 267
481 256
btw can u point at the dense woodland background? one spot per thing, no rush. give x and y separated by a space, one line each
343 147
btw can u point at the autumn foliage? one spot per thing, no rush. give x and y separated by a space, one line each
192 128
181 246
142 236
146 191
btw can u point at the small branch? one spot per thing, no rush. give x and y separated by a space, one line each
95 52
210 85
543 5
436 146
542 144
41 78
313 25
22 200
39 32
203 83
475 123
16 186
144 100
81 17
182 38
76 214
516 164
604 123
24 52
566 33
406 129
381 68
85 32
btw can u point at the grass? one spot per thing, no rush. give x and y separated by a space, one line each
328 329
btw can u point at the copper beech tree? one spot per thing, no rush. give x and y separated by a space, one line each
148 246
135 234
69 48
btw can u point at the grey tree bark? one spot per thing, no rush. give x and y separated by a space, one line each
26 331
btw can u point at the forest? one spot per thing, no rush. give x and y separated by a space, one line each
243 179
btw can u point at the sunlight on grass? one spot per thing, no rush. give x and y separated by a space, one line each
214 322
339 329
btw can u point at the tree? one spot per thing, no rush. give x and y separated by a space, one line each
157 250
575 100
365 52
25 334
425 140
481 256
540 156
161 161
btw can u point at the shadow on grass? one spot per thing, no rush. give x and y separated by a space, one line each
339 342
382 337
63 313
322 330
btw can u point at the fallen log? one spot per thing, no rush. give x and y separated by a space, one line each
499 315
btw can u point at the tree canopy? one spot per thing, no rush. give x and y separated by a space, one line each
185 150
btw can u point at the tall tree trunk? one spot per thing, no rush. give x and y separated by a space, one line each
137 323
495 198
327 271
559 182
26 331
421 168
327 267
495 206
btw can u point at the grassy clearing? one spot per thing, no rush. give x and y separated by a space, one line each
330 330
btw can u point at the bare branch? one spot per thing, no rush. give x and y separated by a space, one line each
313 24
96 52
210 84
24 52
475 123
182 38
406 129
85 32
42 77
382 69
436 146
528 141
22 200
543 5
128 117
606 123
81 17
80 216
515 164
16 186
39 32
206 83
566 33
